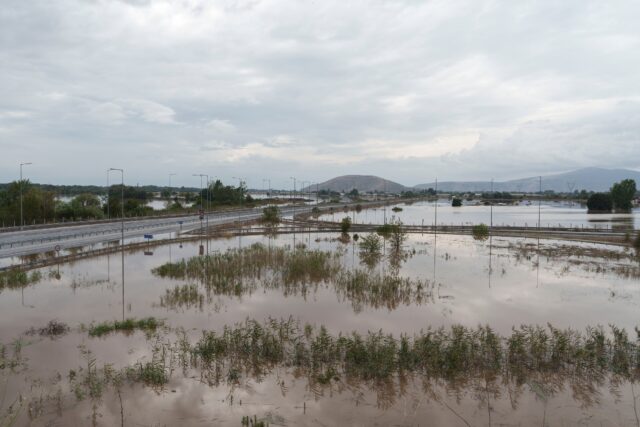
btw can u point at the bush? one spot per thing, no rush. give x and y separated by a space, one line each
271 215
345 224
600 202
371 244
480 232
456 203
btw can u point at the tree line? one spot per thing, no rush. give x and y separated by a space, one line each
620 197
40 203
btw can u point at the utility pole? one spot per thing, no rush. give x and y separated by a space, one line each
385 201
204 214
170 192
491 205
21 184
435 214
294 195
539 203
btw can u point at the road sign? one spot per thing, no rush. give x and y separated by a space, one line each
57 248
148 236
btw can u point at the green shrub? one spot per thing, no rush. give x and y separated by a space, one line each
480 232
345 224
271 215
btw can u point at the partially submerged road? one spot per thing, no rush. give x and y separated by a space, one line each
39 240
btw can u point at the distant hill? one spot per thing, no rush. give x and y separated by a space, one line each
590 179
362 183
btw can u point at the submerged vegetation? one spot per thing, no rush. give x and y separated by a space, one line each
237 270
15 278
455 358
127 325
241 271
182 296
437 353
370 249
52 329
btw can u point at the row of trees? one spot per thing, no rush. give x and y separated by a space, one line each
39 205
219 194
42 205
620 197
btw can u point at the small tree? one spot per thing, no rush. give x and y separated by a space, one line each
456 203
600 202
345 225
371 244
480 232
636 243
271 215
622 194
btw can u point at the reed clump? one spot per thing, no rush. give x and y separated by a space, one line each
241 271
237 271
456 353
363 288
127 325
183 296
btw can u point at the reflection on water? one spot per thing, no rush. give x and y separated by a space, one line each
434 281
534 375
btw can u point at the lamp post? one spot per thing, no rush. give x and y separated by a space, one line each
240 181
108 207
21 183
201 175
491 227
121 229
170 175
122 198
293 199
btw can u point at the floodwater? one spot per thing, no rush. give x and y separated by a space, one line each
502 282
523 214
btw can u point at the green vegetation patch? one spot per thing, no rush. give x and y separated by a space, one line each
480 232
15 278
127 325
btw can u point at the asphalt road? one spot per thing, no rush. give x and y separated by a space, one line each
34 241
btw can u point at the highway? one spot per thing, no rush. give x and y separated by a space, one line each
39 240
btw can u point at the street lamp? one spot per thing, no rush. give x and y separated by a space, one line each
294 187
170 175
108 188
268 181
21 220
121 229
122 196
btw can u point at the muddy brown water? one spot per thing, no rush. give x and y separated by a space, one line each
494 282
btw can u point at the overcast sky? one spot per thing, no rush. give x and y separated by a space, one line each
461 89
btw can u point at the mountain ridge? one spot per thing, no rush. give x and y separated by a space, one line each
590 179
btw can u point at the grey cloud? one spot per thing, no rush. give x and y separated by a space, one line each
404 89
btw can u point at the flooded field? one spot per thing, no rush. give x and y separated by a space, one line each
318 329
522 214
